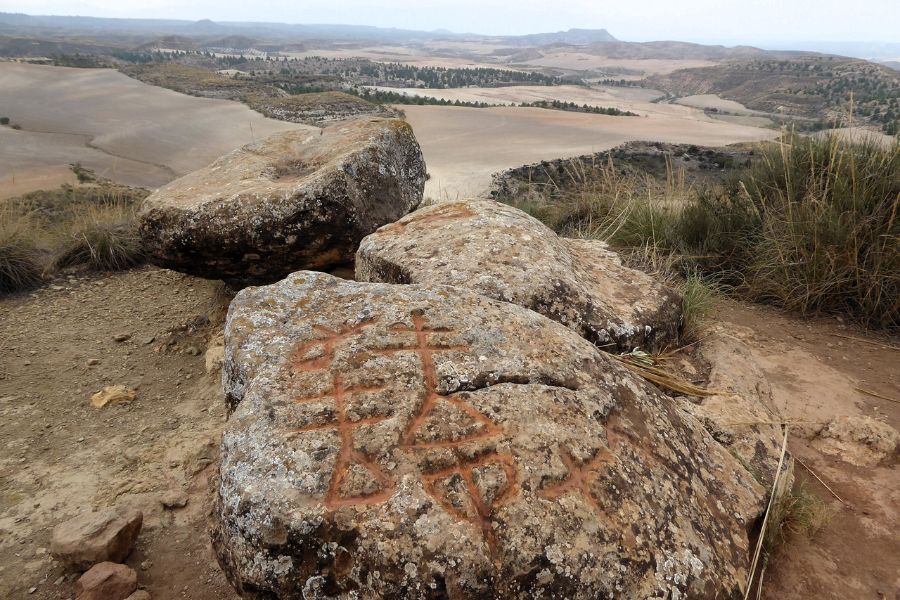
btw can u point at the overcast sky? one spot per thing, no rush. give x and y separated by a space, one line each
757 21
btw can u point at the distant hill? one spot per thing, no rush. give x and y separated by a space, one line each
277 31
576 37
170 42
813 87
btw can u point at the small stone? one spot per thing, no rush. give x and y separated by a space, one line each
149 341
106 581
113 393
93 362
122 337
174 499
107 535
139 595
215 355
861 441
193 351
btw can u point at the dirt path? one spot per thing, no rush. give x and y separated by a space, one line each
60 456
816 374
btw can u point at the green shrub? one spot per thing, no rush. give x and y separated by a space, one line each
699 297
812 226
830 234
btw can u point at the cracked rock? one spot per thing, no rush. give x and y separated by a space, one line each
297 200
426 441
501 252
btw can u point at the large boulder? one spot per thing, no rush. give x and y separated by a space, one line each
501 252
297 200
429 442
95 537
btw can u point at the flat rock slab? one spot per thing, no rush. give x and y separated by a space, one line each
742 414
96 537
296 200
503 253
429 442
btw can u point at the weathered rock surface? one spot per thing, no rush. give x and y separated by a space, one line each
501 252
91 538
742 416
106 581
297 200
429 442
861 441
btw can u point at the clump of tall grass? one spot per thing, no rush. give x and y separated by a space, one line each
699 296
830 237
20 254
102 237
811 226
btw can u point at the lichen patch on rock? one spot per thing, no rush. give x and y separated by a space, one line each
424 441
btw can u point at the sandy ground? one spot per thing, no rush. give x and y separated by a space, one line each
60 456
619 97
33 178
817 368
463 147
580 61
713 101
125 130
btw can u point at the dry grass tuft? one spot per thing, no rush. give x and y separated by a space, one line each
20 255
103 237
812 225
699 297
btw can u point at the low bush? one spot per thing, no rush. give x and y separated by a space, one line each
811 226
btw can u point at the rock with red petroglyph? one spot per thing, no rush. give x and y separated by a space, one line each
297 200
503 253
415 442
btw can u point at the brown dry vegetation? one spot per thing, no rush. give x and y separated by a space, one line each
91 226
811 226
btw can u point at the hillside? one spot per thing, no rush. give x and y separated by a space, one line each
816 87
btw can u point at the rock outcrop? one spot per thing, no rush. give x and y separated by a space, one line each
429 442
91 538
297 200
742 415
501 252
859 440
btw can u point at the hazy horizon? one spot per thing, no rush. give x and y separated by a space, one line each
703 21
